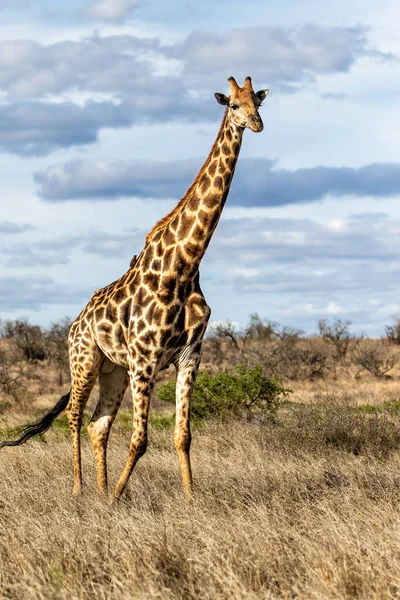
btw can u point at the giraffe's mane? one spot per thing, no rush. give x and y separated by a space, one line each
165 221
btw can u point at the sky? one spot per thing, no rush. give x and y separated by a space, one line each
107 112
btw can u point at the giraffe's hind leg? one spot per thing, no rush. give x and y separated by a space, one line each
113 381
85 360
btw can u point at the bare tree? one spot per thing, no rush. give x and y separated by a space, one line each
393 332
260 329
57 347
336 333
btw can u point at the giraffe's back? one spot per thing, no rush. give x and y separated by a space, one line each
135 318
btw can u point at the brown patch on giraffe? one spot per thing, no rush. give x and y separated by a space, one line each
205 183
167 259
120 294
140 325
191 250
152 280
194 315
133 284
185 226
204 217
168 286
199 233
149 370
111 312
141 297
212 168
125 312
169 237
147 338
154 313
183 338
119 336
182 292
218 183
210 201
141 349
159 249
193 203
164 336
180 264
98 313
172 314
145 262
227 178
157 235
156 265
105 328
225 149
214 218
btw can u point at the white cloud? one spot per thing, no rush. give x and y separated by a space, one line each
330 309
111 10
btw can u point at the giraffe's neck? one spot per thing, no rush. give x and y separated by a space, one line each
187 230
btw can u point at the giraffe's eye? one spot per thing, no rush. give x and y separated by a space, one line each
234 106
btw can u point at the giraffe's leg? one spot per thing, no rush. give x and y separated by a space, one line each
112 389
186 375
142 385
84 371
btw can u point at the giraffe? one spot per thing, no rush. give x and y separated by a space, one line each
155 314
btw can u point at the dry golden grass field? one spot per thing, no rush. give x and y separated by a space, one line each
303 505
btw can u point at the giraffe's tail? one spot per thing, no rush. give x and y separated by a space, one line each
42 425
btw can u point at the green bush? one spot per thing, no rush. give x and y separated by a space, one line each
233 393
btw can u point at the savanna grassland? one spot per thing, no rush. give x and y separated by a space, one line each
297 496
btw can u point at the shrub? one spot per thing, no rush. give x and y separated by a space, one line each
292 358
375 358
336 421
231 393
11 387
29 339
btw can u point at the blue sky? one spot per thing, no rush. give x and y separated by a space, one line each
107 112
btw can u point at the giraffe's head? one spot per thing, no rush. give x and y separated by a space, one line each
243 104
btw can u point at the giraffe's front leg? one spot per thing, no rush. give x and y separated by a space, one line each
142 386
186 375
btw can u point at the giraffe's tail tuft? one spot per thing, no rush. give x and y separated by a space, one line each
42 425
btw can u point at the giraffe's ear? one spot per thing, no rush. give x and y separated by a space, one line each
222 99
262 94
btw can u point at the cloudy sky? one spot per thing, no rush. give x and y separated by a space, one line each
107 112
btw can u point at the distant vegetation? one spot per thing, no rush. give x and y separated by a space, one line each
34 359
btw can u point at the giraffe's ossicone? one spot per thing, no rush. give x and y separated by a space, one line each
155 314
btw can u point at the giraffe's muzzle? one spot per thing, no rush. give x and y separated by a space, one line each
255 124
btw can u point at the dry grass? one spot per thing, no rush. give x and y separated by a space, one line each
274 515
307 507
